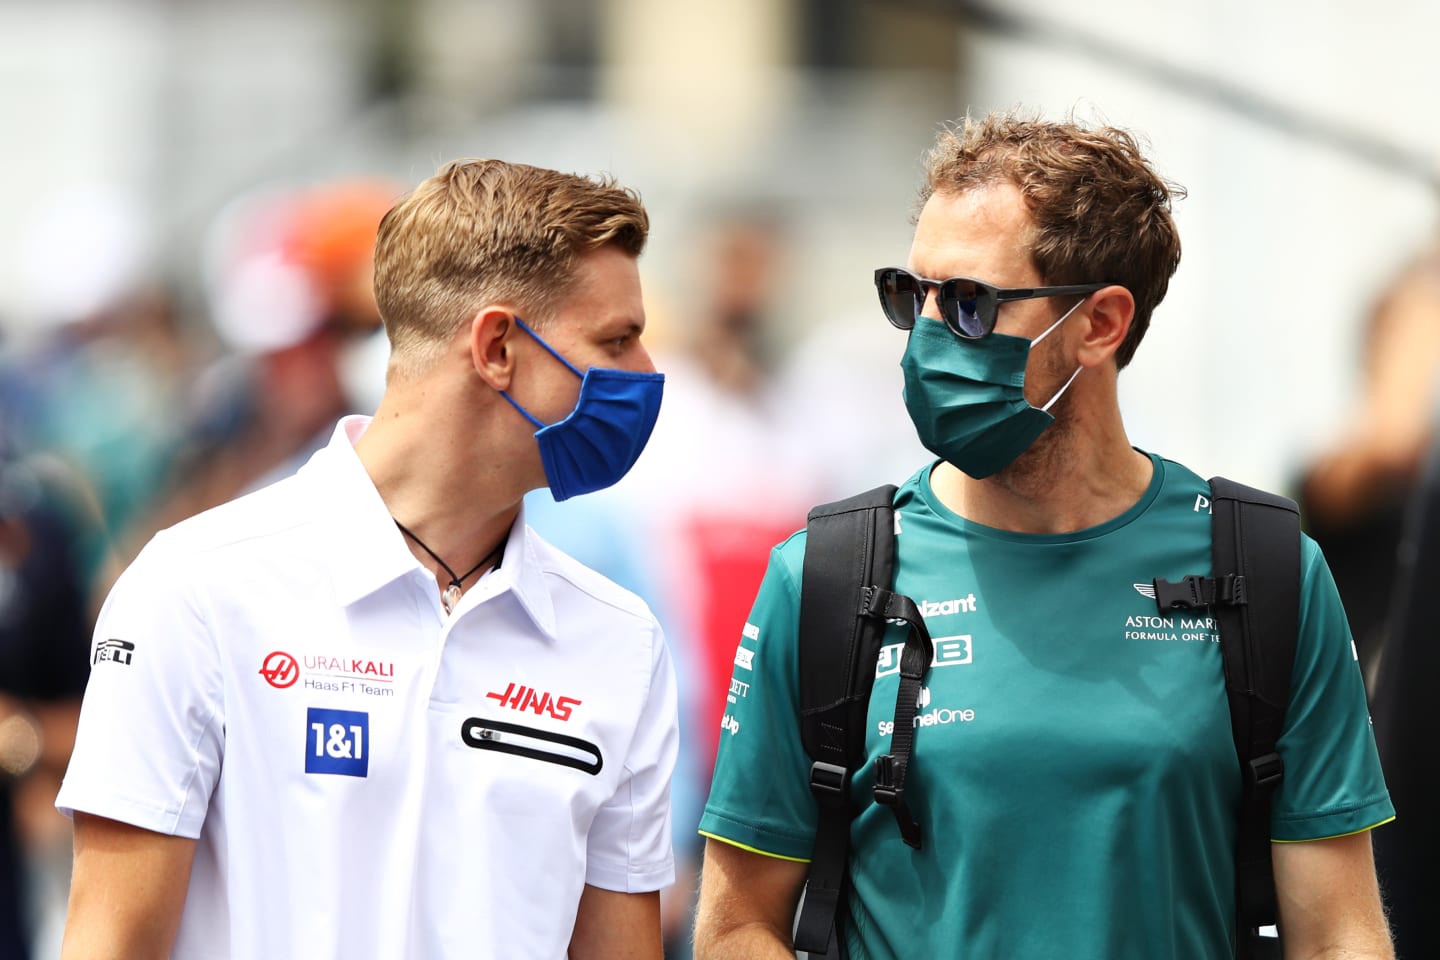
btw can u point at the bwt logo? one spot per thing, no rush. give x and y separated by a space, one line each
949 652
536 701
280 670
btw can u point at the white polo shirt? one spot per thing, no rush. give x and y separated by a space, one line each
367 776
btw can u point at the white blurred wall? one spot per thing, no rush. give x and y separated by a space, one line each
1252 358
178 106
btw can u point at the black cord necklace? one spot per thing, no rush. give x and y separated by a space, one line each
451 594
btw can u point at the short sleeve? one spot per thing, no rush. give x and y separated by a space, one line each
1333 783
760 795
629 845
151 734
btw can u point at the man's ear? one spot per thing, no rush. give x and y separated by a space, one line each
492 352
1112 309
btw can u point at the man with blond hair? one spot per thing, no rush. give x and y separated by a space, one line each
1071 785
366 712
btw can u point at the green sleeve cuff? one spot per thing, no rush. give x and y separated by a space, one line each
1334 823
759 840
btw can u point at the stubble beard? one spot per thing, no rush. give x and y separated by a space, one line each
1047 461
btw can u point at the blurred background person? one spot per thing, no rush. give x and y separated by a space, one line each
289 287
86 391
1406 727
720 482
1394 552
92 383
727 479
1356 494
145 129
44 644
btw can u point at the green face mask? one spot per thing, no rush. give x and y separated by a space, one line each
967 397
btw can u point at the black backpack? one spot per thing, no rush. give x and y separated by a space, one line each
846 601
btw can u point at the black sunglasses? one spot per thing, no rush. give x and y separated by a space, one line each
968 306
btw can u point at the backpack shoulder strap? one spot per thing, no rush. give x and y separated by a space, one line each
1254 595
1256 540
849 550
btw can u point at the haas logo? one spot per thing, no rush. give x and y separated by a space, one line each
536 701
280 670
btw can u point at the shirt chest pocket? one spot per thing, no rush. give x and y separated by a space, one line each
533 743
524 771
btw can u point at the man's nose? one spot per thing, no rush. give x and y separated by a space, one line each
930 307
643 363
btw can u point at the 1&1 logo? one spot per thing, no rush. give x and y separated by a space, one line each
337 741
280 670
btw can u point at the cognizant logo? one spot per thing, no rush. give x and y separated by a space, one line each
941 608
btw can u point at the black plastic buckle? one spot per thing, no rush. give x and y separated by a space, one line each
875 602
1187 594
1267 771
886 791
828 780
1232 591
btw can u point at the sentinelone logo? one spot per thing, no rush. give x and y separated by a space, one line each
938 717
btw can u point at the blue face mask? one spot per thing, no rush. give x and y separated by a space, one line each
601 439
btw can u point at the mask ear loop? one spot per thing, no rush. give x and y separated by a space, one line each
1063 317
552 351
574 369
1046 408
523 412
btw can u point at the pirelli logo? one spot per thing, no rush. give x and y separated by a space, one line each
114 651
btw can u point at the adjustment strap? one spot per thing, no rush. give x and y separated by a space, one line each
915 657
814 929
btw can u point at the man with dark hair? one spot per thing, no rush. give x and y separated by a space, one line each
1073 765
366 712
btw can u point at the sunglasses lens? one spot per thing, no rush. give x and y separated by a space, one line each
902 297
961 303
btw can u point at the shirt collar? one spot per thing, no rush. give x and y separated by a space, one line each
369 551
366 551
522 573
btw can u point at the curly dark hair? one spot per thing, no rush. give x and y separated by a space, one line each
1100 212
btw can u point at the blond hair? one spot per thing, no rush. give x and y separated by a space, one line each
1100 213
486 231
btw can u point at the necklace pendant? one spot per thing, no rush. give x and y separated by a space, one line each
450 597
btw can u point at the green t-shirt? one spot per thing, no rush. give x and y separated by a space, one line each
1073 770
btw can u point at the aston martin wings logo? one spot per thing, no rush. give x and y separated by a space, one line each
1145 589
